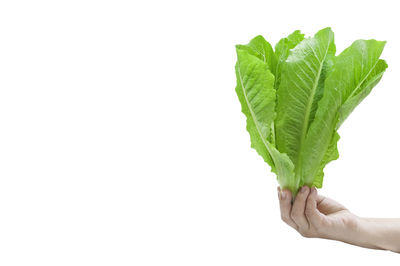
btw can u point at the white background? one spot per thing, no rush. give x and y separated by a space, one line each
122 140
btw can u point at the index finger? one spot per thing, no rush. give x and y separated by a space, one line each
285 204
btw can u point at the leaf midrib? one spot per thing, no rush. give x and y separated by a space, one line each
362 81
251 112
353 93
308 108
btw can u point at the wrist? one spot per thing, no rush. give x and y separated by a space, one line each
356 232
359 231
349 229
369 234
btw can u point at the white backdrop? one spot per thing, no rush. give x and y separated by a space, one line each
122 141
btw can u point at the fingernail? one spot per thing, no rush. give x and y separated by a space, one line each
314 191
303 189
283 195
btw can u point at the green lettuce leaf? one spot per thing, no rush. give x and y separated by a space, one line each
296 98
357 70
282 49
262 49
256 93
301 88
255 89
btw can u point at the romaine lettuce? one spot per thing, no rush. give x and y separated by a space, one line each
296 97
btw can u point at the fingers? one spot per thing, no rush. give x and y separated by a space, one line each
313 215
298 209
285 204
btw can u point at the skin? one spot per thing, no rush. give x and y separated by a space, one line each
316 216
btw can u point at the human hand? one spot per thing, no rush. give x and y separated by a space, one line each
313 215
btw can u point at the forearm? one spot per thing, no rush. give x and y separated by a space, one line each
378 234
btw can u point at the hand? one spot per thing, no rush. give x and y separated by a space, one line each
313 215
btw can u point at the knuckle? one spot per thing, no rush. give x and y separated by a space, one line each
284 218
294 214
308 211
305 233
